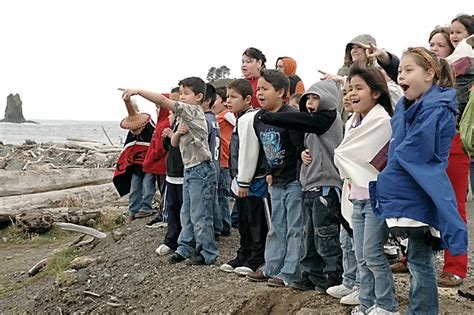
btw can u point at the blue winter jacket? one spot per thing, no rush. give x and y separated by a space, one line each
414 183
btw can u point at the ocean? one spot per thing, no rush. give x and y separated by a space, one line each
62 130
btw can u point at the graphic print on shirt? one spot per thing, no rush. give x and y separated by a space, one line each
272 147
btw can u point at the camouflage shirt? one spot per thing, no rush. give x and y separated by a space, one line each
194 146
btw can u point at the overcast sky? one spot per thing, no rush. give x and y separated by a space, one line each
66 59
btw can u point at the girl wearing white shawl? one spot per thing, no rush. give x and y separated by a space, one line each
355 158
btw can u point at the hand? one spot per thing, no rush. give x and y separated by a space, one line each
329 76
182 129
243 192
167 132
306 157
269 180
127 93
373 51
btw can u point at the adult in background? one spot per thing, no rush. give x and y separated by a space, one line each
288 65
253 61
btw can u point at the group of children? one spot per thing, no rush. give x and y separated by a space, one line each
316 196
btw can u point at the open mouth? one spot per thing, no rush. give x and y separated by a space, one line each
404 87
355 101
311 110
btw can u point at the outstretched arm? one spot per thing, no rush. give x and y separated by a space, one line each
157 98
318 122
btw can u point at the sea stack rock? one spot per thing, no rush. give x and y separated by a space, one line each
14 110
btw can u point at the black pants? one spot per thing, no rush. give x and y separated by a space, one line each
174 201
253 231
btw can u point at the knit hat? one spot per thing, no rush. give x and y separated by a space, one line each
135 119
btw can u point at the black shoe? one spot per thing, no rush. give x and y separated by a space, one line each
225 234
332 280
217 237
175 258
157 219
196 260
303 285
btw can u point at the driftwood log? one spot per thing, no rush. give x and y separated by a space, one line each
31 182
88 197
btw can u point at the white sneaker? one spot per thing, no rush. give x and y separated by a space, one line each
163 250
243 271
377 310
340 291
226 268
356 311
351 299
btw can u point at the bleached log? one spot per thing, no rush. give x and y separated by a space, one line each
88 196
81 229
21 183
37 267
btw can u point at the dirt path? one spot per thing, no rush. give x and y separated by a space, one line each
132 278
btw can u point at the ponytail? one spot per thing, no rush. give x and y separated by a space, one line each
446 78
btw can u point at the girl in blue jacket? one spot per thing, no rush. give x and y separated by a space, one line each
413 192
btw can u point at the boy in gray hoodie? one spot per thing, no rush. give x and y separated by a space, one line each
321 260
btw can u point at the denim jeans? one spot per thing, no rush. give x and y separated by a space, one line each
142 191
222 196
283 244
322 254
376 280
197 233
423 296
350 277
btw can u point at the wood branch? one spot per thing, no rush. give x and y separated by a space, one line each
21 183
81 229
76 241
37 267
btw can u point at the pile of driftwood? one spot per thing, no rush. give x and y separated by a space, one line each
68 182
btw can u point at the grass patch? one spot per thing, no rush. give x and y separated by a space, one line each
13 235
61 260
109 220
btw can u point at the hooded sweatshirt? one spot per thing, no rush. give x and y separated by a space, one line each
414 184
296 84
323 133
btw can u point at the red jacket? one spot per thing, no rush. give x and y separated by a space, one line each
155 160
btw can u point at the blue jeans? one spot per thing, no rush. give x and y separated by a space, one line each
197 234
350 277
222 196
282 251
322 254
423 296
376 280
142 191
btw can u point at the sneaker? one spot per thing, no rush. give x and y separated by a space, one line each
449 280
377 310
275 282
243 271
163 250
351 299
175 258
143 214
226 268
154 221
257 276
356 311
130 219
156 225
332 280
399 267
196 260
303 285
225 233
340 291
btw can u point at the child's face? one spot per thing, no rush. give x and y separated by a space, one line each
358 54
250 67
174 96
346 101
294 103
413 79
440 46
280 66
312 103
458 33
361 96
187 96
219 105
269 98
235 101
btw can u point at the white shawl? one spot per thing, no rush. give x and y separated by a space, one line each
359 146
